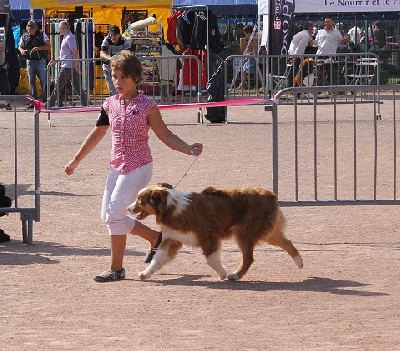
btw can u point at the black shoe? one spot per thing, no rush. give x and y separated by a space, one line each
30 106
3 236
153 250
110 275
8 107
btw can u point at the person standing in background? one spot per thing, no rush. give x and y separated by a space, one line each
68 68
112 45
249 46
298 45
33 46
4 82
355 34
328 40
379 35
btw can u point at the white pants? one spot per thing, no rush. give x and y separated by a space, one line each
120 191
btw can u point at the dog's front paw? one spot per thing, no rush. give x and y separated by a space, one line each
233 276
144 275
299 261
222 277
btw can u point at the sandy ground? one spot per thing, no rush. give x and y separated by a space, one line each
347 297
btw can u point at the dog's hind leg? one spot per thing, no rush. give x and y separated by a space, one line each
214 261
166 253
277 238
288 246
247 249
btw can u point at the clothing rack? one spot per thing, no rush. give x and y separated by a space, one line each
85 41
53 32
199 8
84 34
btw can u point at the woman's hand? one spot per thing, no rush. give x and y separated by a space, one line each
70 167
196 149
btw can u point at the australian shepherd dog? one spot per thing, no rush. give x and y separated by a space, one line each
204 219
306 74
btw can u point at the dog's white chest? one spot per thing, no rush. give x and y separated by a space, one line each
186 238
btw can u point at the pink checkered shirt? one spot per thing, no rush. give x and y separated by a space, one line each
130 132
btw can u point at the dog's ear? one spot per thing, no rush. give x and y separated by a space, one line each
165 185
159 199
2 189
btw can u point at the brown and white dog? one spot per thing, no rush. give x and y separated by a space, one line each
205 219
305 76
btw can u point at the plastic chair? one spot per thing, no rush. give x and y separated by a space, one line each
365 72
281 81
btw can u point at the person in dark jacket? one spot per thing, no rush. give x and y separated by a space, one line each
379 35
33 46
5 201
112 45
4 80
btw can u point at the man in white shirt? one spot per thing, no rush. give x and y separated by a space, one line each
298 45
328 40
355 33
301 39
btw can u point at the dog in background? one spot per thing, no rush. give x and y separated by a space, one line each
305 76
204 219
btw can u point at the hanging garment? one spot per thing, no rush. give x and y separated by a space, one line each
215 43
216 92
199 34
187 22
90 52
204 69
172 28
168 66
190 69
179 33
11 57
78 35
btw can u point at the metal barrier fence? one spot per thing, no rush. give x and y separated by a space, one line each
245 76
267 74
31 213
160 82
336 154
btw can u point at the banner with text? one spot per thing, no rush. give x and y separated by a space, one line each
281 22
338 6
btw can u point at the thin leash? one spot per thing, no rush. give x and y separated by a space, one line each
185 174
